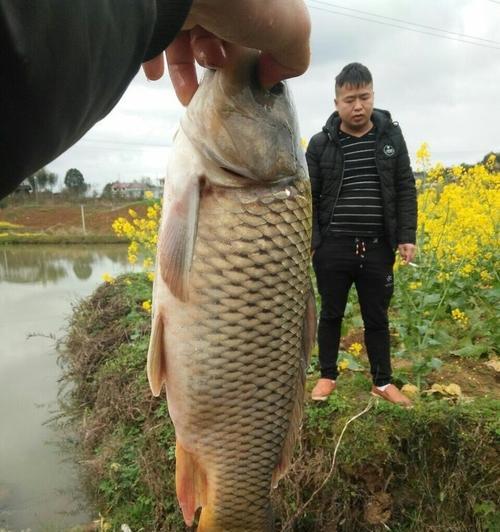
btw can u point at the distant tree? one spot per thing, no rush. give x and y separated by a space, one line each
43 180
53 178
74 181
496 166
107 192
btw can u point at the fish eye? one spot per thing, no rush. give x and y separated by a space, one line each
277 89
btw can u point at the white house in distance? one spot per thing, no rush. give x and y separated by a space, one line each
135 189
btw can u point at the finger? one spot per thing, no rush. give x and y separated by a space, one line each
181 67
208 50
154 68
281 30
271 72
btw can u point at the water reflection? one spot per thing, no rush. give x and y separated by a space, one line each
38 285
49 264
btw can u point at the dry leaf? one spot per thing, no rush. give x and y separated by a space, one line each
453 389
410 390
493 364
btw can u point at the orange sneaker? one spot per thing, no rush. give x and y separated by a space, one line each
323 388
393 395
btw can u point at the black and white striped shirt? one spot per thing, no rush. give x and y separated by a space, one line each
359 210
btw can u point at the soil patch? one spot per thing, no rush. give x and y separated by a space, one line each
67 217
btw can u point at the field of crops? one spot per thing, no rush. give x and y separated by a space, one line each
445 302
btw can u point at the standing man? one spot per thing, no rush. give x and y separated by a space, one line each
364 207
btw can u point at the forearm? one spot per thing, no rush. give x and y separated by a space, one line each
64 65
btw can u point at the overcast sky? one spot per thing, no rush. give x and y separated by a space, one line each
440 89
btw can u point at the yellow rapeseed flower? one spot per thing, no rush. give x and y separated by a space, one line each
414 285
486 276
146 305
443 276
355 349
460 317
423 156
107 278
148 194
151 276
459 218
132 213
343 364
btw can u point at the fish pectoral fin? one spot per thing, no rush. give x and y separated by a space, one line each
308 338
157 356
190 483
177 239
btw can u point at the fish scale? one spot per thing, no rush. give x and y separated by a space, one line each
229 388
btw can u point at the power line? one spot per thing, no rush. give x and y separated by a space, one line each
402 27
329 4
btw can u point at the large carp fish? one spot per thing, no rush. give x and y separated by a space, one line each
233 311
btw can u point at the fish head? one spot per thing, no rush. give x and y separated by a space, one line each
245 130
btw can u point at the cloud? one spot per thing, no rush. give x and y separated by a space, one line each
440 90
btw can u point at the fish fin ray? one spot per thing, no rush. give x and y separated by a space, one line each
190 482
308 338
157 361
177 239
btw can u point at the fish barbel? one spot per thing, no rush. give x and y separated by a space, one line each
233 311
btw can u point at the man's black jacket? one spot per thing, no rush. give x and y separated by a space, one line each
64 64
325 160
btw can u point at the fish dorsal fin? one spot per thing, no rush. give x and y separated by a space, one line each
157 357
177 238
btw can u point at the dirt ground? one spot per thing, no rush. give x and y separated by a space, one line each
67 217
476 378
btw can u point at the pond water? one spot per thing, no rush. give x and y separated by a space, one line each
38 285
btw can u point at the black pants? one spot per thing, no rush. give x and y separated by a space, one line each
367 262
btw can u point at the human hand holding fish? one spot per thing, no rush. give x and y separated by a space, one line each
280 30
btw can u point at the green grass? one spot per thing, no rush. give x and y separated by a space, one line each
434 467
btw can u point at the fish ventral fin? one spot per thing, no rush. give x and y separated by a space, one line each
157 356
190 483
177 238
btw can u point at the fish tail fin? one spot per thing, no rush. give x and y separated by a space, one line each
157 362
190 482
207 521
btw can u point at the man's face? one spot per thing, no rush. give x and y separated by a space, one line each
355 105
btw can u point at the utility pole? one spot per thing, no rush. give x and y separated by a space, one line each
83 219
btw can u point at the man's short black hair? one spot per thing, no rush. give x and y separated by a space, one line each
354 74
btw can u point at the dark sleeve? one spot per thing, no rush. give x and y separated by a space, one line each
406 198
312 157
64 64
